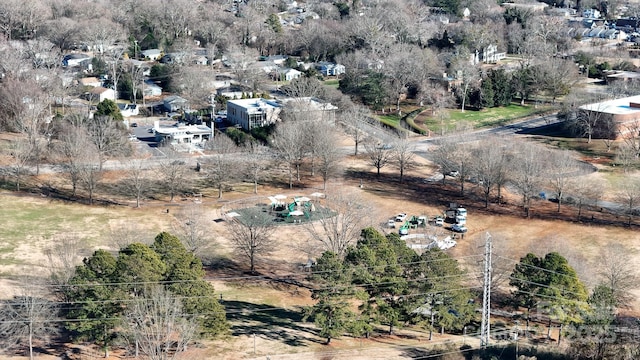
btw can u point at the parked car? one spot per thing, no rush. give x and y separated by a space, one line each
391 224
439 221
453 173
459 228
403 231
134 124
401 217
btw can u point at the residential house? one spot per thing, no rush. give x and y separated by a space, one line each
591 14
152 54
276 59
267 66
100 94
488 55
287 74
233 92
146 69
200 60
128 110
90 81
76 59
596 32
330 69
151 89
175 103
303 65
173 58
252 113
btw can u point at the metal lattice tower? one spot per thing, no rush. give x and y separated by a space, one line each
485 328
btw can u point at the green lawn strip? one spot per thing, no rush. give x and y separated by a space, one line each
332 83
392 120
410 119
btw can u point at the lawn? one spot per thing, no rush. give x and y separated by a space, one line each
392 120
478 119
30 225
334 83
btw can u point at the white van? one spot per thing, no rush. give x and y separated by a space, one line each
461 212
461 220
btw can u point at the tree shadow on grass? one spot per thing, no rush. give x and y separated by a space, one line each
268 322
500 351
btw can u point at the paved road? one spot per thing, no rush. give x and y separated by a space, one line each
519 127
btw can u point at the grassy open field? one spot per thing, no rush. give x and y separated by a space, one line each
477 119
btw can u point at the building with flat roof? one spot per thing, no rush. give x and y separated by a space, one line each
182 134
252 113
617 117
258 112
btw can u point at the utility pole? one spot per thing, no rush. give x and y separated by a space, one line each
485 328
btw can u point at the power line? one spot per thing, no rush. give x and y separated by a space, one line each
283 277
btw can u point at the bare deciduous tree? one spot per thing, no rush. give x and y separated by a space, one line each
21 155
630 133
136 181
626 156
586 192
255 161
90 174
159 325
619 273
27 319
441 156
23 107
341 218
304 87
354 120
191 226
73 146
560 171
586 122
527 169
466 73
251 237
489 165
171 171
628 193
288 145
403 155
327 151
63 257
378 155
221 166
108 139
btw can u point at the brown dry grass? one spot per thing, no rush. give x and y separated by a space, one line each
514 236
